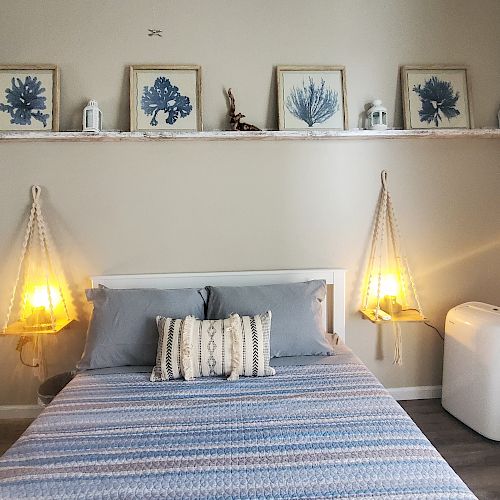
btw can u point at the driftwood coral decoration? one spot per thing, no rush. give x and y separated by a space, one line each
235 118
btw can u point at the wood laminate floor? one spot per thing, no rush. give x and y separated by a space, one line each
10 430
474 458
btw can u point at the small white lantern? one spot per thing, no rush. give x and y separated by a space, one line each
376 116
92 117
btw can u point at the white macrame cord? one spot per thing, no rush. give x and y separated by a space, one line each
36 224
386 235
36 221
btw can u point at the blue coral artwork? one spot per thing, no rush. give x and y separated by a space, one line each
313 102
311 98
25 102
438 99
164 98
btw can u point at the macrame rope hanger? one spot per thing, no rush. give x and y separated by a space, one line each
386 239
36 225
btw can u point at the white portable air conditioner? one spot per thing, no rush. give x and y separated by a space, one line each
471 367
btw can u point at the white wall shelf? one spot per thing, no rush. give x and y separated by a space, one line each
218 135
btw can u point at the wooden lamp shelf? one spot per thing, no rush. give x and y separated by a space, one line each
18 328
410 315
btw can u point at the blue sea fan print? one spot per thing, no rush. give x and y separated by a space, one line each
164 96
25 101
313 103
437 96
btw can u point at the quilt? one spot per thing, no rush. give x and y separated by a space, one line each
320 428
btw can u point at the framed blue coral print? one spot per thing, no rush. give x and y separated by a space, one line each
29 98
436 97
165 98
312 97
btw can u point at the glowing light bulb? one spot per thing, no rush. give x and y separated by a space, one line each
389 285
40 296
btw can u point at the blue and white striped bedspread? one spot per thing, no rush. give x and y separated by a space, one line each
320 431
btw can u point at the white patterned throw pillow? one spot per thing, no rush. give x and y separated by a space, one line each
238 345
169 353
235 346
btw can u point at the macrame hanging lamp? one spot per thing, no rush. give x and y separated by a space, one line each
390 293
39 287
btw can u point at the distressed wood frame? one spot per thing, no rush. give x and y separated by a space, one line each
164 67
429 68
55 87
283 69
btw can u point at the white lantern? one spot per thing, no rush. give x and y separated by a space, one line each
92 117
376 116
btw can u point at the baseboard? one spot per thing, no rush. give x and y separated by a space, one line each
19 411
420 392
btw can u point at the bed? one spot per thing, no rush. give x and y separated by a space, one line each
322 427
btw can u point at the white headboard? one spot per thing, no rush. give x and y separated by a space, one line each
335 277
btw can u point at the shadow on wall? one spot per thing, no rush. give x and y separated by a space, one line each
61 352
64 350
272 107
123 118
398 109
360 276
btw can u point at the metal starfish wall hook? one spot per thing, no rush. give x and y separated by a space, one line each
155 32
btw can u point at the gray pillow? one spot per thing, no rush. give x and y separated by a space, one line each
297 328
122 329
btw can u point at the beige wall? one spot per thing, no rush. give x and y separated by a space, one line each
238 43
199 206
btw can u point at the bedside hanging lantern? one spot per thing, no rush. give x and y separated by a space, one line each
390 293
38 286
376 116
92 117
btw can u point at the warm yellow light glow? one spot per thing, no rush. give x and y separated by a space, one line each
389 285
39 296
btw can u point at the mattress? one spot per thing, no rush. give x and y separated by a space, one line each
320 428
